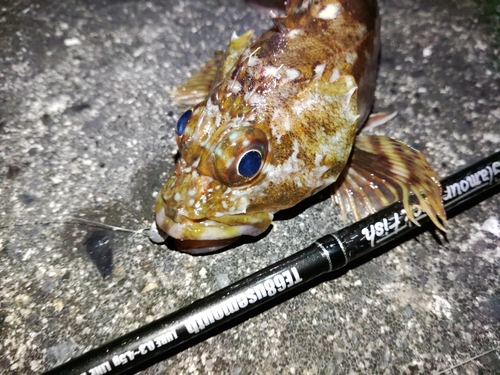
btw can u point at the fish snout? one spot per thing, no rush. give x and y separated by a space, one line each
210 234
186 210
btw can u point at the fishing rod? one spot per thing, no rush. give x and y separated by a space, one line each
166 336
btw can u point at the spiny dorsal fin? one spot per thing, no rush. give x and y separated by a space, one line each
298 14
236 47
381 171
198 86
279 22
294 6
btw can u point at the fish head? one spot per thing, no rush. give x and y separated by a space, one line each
240 163
205 204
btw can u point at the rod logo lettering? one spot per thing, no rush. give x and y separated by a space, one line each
485 176
268 288
390 226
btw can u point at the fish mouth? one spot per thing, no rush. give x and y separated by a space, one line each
208 235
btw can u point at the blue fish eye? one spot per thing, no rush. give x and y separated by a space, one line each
250 163
182 122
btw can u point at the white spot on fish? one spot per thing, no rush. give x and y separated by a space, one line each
314 178
243 204
177 197
318 160
254 99
218 119
280 123
304 6
292 74
229 161
192 192
362 30
293 163
330 12
293 33
253 60
319 69
270 71
351 57
335 75
234 86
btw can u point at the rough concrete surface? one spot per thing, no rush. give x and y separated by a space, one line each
86 130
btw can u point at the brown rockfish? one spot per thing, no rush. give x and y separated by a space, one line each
275 120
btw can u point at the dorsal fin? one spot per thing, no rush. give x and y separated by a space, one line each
294 6
197 87
297 13
279 22
236 47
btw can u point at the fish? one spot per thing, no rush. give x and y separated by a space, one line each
275 120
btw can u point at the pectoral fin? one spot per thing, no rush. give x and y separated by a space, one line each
381 171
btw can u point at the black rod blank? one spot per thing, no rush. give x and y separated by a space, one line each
154 341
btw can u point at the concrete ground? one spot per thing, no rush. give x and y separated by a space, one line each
86 130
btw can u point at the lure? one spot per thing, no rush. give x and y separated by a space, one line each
275 120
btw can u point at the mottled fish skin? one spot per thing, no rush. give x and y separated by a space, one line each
295 96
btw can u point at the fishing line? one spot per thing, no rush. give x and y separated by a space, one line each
468 360
78 220
166 336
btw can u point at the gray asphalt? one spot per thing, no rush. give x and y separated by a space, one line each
87 130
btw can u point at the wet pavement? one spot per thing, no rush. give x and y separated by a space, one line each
87 131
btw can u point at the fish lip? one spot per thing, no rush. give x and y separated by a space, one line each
197 247
210 229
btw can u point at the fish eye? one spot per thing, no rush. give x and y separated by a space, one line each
250 163
182 122
240 156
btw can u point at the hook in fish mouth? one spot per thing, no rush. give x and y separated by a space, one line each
208 235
